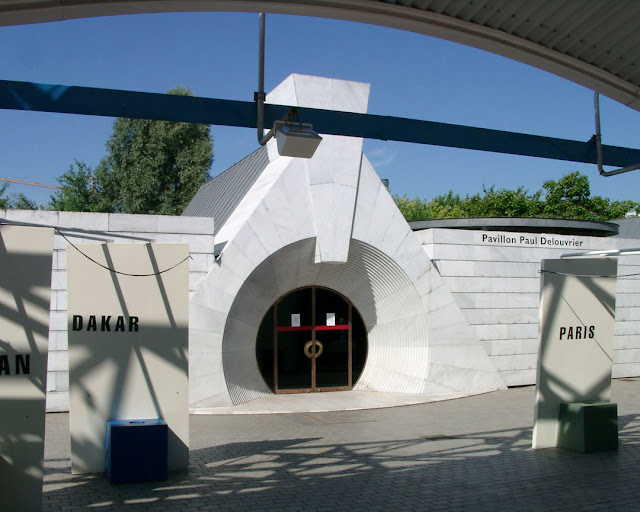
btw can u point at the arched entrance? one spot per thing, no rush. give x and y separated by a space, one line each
311 340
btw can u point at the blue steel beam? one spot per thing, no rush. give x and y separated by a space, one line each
16 95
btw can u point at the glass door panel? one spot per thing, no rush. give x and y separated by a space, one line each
294 367
332 333
332 364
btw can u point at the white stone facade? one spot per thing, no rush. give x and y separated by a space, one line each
494 278
329 222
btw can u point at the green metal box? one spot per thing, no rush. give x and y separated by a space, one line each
588 426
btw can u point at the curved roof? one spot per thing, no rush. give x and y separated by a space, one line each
592 42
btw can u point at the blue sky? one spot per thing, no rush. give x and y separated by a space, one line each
216 55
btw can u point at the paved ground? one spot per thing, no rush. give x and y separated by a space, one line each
467 454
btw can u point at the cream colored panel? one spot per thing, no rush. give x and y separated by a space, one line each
577 315
128 344
25 289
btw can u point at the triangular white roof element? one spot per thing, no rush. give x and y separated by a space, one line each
329 221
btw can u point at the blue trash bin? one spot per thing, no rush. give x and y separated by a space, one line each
136 450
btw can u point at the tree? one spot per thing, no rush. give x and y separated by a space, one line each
80 192
568 198
154 166
22 202
4 201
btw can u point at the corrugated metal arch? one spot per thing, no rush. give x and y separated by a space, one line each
389 304
592 42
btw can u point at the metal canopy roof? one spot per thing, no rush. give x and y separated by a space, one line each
592 42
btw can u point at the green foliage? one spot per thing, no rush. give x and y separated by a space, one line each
15 201
568 198
4 201
154 166
80 191
22 202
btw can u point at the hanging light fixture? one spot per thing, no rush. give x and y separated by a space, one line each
294 139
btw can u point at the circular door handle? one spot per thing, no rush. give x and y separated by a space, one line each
307 349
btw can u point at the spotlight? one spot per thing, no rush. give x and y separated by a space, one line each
296 139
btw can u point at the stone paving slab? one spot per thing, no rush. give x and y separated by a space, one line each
468 454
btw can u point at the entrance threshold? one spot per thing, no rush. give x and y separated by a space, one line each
329 401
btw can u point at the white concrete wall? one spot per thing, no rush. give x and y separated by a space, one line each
496 283
196 231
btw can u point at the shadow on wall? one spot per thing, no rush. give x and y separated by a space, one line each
137 371
25 283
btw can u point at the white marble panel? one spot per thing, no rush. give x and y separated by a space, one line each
383 211
506 332
425 236
58 401
84 220
58 340
58 361
195 278
628 341
626 356
226 281
350 96
282 213
210 295
295 181
252 199
234 260
262 225
468 357
249 243
502 316
58 321
626 328
208 391
625 370
497 300
62 381
198 243
518 377
133 223
488 268
206 319
515 361
493 285
284 93
323 205
33 216
423 283
452 334
398 232
59 260
464 379
205 353
200 262
512 347
179 224
368 189
313 91
59 300
412 259
344 203
628 286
